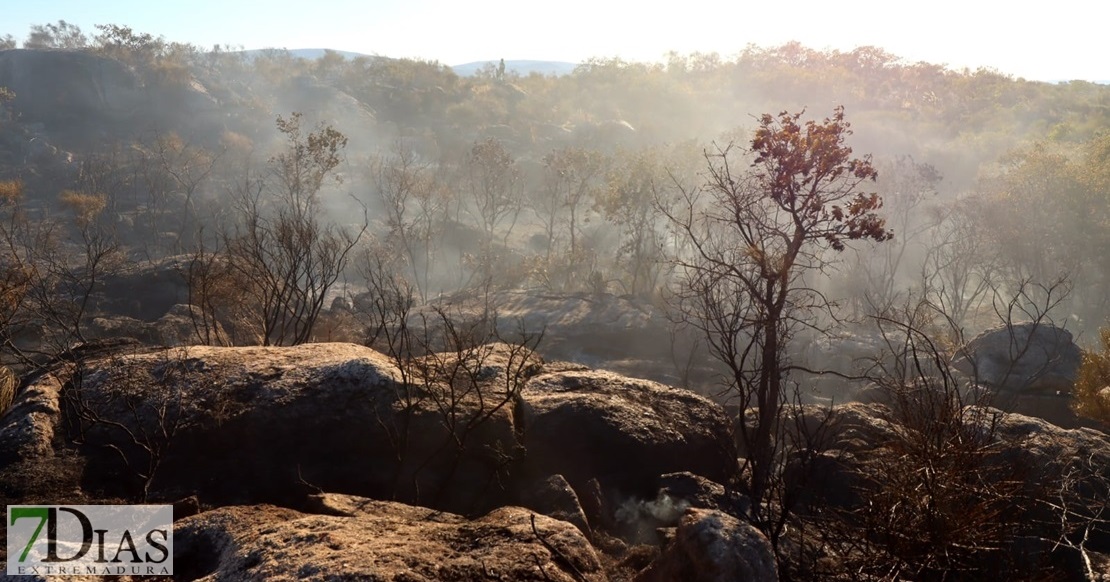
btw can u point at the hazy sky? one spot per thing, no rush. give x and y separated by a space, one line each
1058 40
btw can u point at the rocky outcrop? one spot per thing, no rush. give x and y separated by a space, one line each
249 425
710 546
76 98
622 431
599 330
60 88
273 424
1031 368
554 497
1034 358
255 430
992 474
145 291
182 325
27 429
355 538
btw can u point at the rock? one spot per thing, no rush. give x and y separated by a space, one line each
186 507
600 330
1038 467
274 424
699 492
183 325
61 88
594 504
379 540
643 521
1028 358
622 431
710 546
555 498
27 429
145 291
1031 367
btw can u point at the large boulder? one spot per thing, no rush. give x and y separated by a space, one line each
241 425
710 546
68 88
622 431
1031 368
145 291
1029 358
28 427
599 330
994 473
356 538
275 424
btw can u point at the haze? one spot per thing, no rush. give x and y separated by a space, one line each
1049 43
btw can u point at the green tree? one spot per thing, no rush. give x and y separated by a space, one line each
753 236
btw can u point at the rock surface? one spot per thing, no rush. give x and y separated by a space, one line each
251 425
356 538
600 330
554 497
27 429
1028 358
58 88
623 431
710 546
1032 461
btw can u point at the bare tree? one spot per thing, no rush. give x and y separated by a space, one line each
414 202
282 252
753 234
907 187
135 409
495 185
175 171
51 271
959 268
456 369
938 500
571 177
630 201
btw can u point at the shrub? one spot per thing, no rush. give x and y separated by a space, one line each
1092 387
8 384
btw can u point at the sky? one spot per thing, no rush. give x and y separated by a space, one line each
1049 41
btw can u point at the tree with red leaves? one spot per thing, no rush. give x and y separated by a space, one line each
753 236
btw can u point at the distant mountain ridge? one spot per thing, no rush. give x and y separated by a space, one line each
522 67
306 53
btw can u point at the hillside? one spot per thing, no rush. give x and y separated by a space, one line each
837 313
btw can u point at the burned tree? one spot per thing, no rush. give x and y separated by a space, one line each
753 235
284 256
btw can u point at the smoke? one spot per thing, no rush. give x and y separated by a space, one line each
639 519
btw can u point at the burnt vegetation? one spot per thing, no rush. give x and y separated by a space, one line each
845 247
